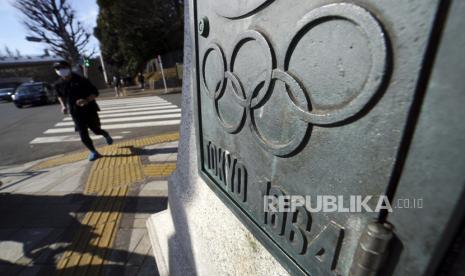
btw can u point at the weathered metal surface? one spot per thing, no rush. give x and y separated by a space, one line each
306 98
372 250
435 164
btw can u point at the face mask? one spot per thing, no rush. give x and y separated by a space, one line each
64 72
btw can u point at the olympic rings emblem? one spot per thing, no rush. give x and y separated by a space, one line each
258 93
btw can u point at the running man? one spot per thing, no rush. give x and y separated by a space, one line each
77 97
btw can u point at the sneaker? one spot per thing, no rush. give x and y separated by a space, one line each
93 155
109 140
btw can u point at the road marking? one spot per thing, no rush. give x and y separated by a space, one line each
131 104
118 114
137 105
128 119
139 99
126 114
120 126
66 138
137 109
130 101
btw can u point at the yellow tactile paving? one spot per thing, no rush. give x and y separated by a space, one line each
109 180
95 235
74 157
162 169
61 160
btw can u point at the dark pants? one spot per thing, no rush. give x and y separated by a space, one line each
84 122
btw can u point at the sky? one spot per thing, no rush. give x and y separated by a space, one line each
13 32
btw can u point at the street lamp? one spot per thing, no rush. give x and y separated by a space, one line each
33 39
38 39
85 60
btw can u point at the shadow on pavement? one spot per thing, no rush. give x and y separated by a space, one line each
35 231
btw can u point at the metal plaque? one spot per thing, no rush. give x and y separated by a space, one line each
305 98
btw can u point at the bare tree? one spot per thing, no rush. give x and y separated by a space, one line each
9 53
55 23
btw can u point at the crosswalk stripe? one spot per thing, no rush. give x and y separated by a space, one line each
120 126
129 119
127 114
119 114
136 106
137 109
130 103
66 138
143 99
130 99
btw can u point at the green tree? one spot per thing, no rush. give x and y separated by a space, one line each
132 32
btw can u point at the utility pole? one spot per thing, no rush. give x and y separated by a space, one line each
162 73
105 76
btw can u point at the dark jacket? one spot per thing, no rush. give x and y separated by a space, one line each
77 88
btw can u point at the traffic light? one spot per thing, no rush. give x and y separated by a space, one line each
86 62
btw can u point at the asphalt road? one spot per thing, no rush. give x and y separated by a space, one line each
20 126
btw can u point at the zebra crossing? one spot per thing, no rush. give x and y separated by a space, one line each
119 115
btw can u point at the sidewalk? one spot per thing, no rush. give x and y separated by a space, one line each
68 216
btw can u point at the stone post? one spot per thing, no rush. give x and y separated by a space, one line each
198 234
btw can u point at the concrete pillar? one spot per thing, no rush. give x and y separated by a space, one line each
198 234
